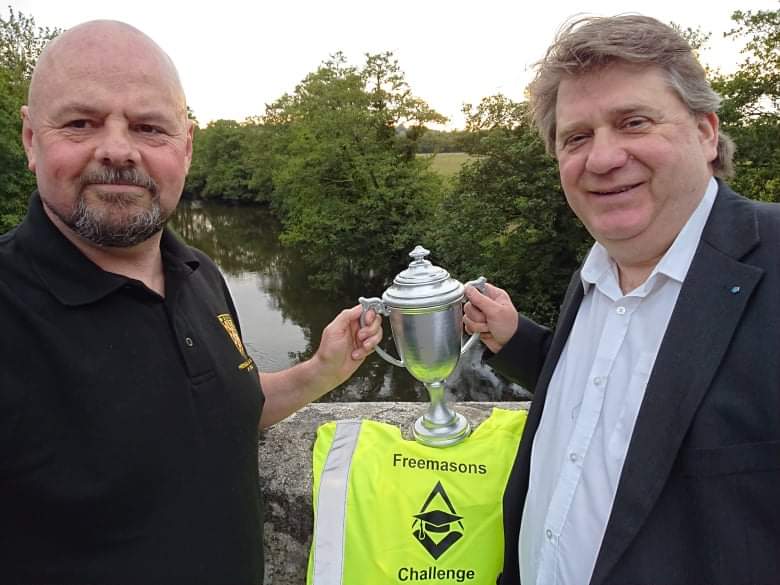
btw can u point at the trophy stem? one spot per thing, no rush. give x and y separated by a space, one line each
440 426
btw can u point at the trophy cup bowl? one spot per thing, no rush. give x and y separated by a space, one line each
425 310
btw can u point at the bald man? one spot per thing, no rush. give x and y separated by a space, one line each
129 408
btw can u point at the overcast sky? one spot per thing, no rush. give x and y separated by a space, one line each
235 56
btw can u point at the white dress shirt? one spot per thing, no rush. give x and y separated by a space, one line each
591 409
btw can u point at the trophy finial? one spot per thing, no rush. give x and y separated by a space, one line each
419 253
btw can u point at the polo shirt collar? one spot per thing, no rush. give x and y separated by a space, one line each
69 275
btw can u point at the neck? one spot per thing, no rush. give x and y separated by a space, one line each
632 275
142 262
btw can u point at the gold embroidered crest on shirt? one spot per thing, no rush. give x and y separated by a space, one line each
232 331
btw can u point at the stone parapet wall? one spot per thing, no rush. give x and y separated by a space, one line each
285 455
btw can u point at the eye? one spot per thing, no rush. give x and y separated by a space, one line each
635 123
79 124
149 129
574 140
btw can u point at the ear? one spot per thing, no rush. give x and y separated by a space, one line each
708 125
27 138
188 147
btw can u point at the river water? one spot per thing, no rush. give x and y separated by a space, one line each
282 319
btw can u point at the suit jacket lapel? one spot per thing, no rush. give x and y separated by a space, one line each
709 308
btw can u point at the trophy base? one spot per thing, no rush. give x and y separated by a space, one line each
436 435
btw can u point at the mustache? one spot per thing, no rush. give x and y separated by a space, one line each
119 176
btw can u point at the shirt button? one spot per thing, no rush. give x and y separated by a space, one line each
550 535
188 341
573 457
598 380
620 310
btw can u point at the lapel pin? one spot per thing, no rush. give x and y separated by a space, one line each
735 289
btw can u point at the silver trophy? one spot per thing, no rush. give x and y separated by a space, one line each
425 308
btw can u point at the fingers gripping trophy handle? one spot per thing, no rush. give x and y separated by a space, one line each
478 284
379 308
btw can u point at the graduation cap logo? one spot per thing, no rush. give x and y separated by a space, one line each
433 528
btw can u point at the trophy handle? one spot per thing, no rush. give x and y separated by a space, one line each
479 284
381 309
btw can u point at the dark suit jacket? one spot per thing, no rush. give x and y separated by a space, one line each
698 502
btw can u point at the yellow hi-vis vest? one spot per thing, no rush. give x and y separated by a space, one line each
392 511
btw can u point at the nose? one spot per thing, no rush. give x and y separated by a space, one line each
606 153
116 147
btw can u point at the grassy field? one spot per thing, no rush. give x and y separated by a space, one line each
447 164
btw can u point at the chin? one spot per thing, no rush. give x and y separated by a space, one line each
623 228
616 234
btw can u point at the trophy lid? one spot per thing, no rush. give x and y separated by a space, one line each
422 285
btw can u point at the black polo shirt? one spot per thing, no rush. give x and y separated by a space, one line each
128 421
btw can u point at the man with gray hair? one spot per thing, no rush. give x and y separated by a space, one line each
651 455
129 408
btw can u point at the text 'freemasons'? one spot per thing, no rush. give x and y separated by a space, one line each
435 465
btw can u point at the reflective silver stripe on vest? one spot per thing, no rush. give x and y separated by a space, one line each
330 528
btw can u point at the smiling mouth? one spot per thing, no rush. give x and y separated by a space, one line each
617 191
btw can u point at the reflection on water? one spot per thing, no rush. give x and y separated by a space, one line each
282 319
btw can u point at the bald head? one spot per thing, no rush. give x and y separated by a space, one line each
107 47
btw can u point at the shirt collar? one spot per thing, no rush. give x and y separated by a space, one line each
674 263
68 274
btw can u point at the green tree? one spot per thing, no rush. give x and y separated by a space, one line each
352 195
750 112
507 217
21 41
231 162
16 180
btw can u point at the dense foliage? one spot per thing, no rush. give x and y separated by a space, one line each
751 109
352 195
21 41
337 160
233 162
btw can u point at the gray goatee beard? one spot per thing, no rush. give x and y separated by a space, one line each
121 224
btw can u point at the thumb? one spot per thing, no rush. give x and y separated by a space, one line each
352 313
494 293
481 301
